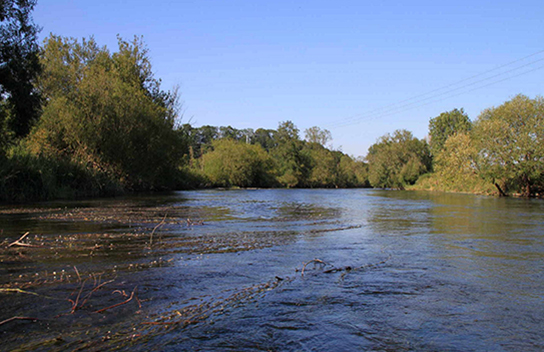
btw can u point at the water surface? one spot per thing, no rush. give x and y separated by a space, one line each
275 270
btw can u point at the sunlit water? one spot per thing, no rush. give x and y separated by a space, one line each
393 271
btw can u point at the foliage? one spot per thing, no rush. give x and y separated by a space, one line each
107 112
293 163
511 144
19 66
25 177
445 125
233 163
456 168
317 135
397 160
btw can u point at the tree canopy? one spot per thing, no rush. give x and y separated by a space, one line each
19 67
107 112
510 139
445 125
397 160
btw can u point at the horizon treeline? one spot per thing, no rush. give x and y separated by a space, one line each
78 120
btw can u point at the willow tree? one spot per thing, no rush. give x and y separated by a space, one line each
511 144
106 111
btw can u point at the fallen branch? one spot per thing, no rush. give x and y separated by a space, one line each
17 318
19 243
118 304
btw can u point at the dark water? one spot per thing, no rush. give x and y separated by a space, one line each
383 270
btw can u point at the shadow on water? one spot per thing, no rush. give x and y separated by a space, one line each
274 270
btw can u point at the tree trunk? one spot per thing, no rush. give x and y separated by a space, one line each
501 192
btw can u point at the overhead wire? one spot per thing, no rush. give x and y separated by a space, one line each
410 102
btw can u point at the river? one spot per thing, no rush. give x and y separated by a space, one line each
274 270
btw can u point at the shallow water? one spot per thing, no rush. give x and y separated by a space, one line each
275 270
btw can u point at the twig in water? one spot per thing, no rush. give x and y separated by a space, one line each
17 318
118 304
18 290
77 272
312 261
154 229
94 290
74 304
19 243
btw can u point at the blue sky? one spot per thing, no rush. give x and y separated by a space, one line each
348 66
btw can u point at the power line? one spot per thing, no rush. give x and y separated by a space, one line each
414 100
397 110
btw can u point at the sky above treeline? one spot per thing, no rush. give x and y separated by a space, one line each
360 69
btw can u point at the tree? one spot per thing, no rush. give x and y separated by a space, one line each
397 160
445 125
511 144
317 135
292 162
19 66
107 112
236 163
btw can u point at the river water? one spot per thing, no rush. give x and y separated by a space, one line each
274 270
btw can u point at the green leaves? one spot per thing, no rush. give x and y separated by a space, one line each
107 112
511 144
445 125
397 160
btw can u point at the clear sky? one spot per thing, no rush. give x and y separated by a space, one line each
358 68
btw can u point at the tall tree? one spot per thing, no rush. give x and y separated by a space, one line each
445 125
19 65
293 164
511 144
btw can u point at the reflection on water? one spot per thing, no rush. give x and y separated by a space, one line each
222 270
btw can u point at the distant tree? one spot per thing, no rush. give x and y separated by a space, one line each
324 167
445 125
19 66
511 144
397 160
294 165
229 133
266 138
317 135
236 163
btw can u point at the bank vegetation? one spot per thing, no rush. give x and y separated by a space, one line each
79 120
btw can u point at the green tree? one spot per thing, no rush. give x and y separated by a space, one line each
511 144
317 135
266 138
236 163
19 66
292 162
397 160
445 125
107 112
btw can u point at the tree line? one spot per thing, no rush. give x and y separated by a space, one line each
77 119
